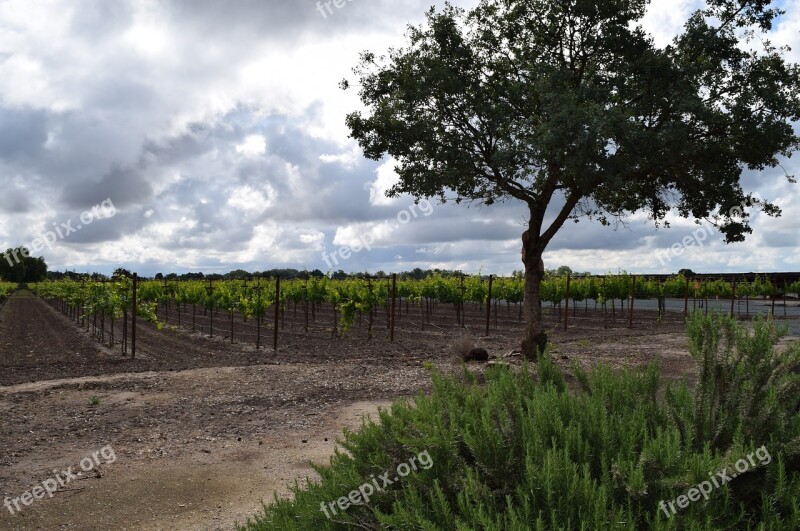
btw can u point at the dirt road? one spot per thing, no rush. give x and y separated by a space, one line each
195 448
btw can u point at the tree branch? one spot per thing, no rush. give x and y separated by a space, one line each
563 215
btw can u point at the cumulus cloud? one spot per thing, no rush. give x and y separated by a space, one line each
217 129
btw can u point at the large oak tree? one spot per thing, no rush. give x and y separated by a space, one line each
570 107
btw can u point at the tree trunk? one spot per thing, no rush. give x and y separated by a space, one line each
535 339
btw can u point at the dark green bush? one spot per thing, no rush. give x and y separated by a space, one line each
526 453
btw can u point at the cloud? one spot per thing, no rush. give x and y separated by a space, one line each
253 145
23 134
218 131
15 200
384 180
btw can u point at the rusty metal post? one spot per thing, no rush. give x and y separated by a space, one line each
489 304
686 301
133 316
784 298
258 315
277 312
394 302
461 304
633 299
605 305
773 300
566 303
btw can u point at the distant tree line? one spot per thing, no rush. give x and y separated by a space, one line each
17 265
290 274
72 275
241 273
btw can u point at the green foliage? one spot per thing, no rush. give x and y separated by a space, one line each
794 288
113 298
572 108
18 266
6 289
747 389
358 296
522 99
524 452
354 297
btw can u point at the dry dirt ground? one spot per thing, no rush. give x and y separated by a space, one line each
202 429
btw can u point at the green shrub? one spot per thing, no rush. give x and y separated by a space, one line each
526 453
746 389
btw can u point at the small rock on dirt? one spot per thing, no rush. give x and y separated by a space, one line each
477 354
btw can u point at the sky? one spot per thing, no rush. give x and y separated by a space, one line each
201 135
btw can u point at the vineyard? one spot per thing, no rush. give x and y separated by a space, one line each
249 309
203 402
6 288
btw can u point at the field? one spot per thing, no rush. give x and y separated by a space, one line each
203 428
243 309
257 259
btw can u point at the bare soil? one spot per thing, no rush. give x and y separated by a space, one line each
203 429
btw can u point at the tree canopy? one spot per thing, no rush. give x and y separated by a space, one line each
17 265
571 108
